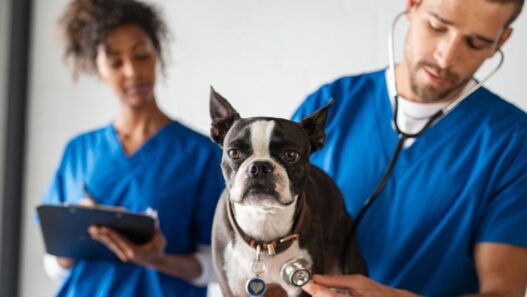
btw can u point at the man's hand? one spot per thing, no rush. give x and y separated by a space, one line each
356 285
149 254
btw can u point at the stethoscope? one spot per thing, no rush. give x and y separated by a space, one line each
403 136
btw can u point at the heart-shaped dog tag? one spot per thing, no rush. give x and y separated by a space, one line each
255 287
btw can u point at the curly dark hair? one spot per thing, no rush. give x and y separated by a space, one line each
85 24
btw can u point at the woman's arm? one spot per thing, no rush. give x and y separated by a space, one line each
152 255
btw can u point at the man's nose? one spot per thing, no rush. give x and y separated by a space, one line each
448 51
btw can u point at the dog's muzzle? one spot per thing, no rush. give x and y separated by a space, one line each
260 169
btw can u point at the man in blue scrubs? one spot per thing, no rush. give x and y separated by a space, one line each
452 217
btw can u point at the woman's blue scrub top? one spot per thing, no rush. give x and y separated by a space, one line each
176 172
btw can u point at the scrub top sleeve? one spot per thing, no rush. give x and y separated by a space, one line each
55 191
211 185
313 102
504 218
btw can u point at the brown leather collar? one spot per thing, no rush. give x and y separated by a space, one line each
276 246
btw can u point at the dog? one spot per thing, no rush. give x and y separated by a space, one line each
276 207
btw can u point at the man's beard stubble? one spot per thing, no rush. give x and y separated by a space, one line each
430 93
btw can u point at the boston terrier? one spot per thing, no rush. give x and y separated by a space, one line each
278 214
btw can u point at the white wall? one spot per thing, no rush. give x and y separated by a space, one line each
264 56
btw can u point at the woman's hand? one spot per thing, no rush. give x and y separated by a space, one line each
149 254
66 263
356 285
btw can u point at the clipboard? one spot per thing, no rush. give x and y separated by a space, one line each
65 229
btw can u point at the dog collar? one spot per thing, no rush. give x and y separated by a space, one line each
273 247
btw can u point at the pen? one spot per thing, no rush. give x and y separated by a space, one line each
89 193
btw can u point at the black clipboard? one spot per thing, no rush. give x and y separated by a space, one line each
65 229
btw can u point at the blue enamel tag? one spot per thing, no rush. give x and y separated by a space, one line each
255 287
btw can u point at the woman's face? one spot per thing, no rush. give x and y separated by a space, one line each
127 61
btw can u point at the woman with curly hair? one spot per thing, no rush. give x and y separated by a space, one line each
143 159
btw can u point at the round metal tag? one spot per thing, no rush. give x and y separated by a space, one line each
255 287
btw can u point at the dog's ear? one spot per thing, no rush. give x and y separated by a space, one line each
315 124
223 116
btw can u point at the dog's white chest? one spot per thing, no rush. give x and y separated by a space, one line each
238 255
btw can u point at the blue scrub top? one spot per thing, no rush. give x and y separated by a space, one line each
176 172
462 182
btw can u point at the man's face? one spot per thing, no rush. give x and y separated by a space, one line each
448 40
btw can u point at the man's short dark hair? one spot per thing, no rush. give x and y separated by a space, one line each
517 10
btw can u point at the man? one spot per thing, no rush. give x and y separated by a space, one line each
452 217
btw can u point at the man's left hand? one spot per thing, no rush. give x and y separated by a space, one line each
356 285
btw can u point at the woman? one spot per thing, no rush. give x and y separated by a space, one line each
143 159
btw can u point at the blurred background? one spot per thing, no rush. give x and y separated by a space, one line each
264 56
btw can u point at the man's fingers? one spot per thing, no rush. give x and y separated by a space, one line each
339 281
317 290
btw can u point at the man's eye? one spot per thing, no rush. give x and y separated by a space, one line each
477 44
436 28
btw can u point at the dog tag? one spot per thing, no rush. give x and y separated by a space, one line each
257 267
255 287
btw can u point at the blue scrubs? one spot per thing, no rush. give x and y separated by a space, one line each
464 181
176 172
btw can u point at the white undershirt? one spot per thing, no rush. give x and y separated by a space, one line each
413 116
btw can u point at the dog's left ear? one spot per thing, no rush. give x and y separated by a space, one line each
315 125
223 116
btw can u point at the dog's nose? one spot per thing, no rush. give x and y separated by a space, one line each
260 168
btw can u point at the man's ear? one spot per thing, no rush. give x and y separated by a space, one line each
412 4
507 32
411 7
314 126
223 116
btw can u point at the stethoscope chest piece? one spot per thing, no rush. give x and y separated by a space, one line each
296 272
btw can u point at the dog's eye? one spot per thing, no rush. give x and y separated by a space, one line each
234 154
290 156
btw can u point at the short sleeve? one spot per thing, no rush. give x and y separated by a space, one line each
504 217
55 192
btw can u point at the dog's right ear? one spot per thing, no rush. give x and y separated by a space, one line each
314 126
223 116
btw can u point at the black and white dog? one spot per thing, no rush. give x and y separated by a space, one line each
275 201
